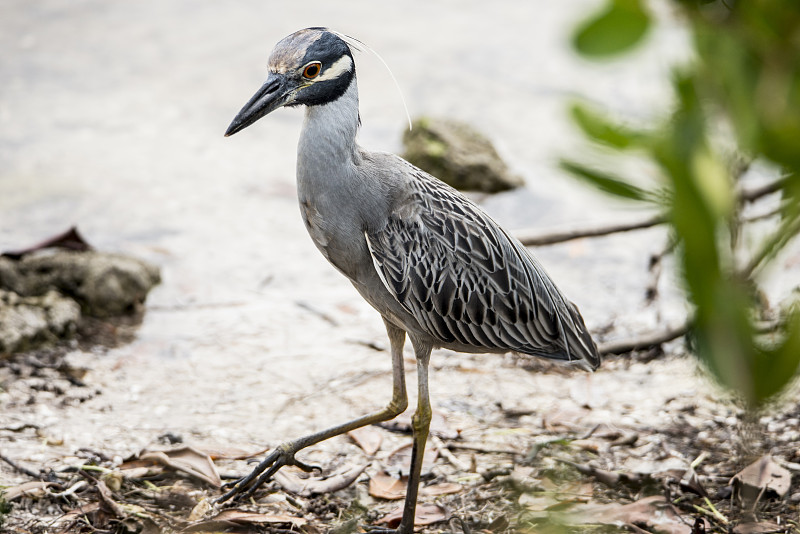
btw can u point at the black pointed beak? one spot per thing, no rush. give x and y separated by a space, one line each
272 95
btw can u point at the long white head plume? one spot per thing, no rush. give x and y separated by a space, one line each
360 46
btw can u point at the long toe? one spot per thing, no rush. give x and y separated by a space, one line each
245 486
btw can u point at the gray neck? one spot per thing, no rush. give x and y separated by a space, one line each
328 137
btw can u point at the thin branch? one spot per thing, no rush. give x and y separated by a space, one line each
530 237
644 341
756 193
656 267
766 215
19 468
789 230
481 448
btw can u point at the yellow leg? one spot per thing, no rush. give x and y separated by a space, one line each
284 453
421 424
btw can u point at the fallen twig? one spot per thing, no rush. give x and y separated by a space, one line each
481 448
72 489
656 267
609 478
19 468
530 237
491 474
319 313
712 511
644 341
449 456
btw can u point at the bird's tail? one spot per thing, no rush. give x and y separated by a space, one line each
579 345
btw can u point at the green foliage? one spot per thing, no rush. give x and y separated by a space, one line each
598 129
621 25
746 74
5 509
605 182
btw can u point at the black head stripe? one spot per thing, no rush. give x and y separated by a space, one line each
292 53
325 92
327 49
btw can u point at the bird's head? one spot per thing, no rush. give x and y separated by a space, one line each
310 67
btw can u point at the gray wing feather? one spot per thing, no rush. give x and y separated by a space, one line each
468 282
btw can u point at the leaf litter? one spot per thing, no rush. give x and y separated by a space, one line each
519 469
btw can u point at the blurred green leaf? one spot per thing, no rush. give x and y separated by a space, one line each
774 369
713 183
617 28
606 182
788 230
745 79
599 129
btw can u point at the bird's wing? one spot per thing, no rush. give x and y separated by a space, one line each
467 282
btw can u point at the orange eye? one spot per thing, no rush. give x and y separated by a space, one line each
312 70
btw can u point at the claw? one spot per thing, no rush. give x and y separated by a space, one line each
307 467
247 485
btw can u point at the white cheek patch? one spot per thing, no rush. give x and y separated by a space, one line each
342 65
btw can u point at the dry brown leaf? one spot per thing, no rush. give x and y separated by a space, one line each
149 526
586 445
317 485
499 524
66 521
188 460
691 482
400 459
762 527
654 512
254 518
70 240
383 486
764 477
141 472
232 453
108 500
200 510
536 502
369 439
426 514
235 517
34 488
443 488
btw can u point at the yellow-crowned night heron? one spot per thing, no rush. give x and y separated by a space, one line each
433 264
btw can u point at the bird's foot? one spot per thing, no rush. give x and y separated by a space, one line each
247 485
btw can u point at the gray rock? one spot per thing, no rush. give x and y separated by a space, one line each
457 154
103 284
28 321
